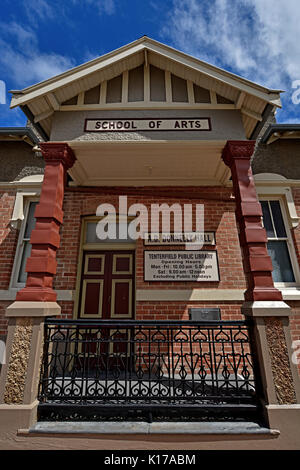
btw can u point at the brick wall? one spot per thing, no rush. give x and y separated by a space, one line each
179 310
219 217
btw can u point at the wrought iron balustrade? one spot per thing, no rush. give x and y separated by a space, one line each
161 369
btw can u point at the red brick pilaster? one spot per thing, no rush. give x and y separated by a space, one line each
257 263
41 265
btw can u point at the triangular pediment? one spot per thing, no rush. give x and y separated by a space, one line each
146 85
145 74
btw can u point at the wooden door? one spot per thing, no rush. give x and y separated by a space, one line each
107 285
107 292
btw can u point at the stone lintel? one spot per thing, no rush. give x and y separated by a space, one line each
33 309
266 308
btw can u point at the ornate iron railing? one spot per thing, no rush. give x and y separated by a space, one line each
105 369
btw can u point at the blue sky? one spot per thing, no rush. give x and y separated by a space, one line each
257 39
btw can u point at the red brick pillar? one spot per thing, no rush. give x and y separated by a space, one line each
271 339
45 238
253 238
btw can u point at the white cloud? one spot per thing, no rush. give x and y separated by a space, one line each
101 6
11 117
40 10
106 6
258 38
34 68
21 59
54 9
88 55
23 38
280 30
24 62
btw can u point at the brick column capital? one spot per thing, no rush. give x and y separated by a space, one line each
58 152
237 150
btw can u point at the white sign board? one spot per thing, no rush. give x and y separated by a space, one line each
197 238
141 124
189 266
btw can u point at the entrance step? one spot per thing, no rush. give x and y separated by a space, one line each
139 427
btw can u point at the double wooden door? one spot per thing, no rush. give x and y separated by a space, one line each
107 285
107 292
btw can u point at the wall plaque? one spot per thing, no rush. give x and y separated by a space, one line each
204 314
188 266
203 238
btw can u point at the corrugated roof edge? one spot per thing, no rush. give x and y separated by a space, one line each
279 128
22 131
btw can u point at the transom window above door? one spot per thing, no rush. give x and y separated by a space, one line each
92 238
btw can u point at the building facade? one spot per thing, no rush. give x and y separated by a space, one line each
143 328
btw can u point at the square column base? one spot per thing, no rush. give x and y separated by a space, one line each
273 345
15 417
32 309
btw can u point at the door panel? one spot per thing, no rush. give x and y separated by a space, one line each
92 298
94 264
121 298
122 264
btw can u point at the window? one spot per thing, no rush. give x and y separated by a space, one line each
19 275
280 246
91 235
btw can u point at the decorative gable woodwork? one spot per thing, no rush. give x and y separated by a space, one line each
148 86
150 75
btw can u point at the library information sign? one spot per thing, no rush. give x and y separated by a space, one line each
188 266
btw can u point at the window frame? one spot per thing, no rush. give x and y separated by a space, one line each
14 283
288 239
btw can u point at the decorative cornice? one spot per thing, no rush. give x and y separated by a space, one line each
60 152
237 150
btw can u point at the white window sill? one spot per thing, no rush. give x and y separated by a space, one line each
290 293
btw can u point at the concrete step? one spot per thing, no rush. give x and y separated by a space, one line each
140 427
